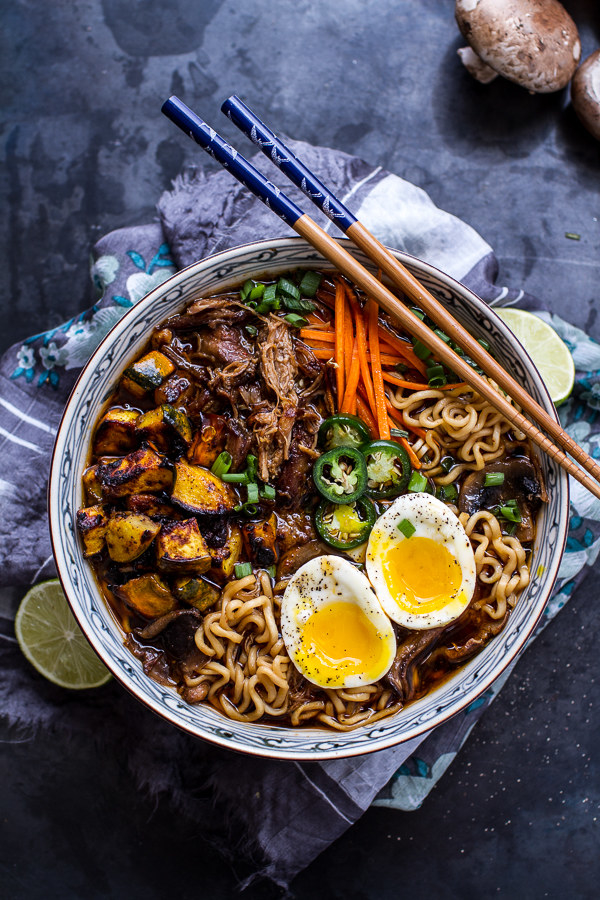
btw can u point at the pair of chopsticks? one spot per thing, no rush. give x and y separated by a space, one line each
315 190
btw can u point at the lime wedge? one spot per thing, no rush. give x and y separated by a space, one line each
550 354
53 642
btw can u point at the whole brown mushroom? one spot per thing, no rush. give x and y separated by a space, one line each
585 94
534 43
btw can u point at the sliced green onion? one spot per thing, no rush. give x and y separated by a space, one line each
270 293
398 432
235 478
257 291
251 330
252 489
407 528
421 351
418 312
442 335
447 492
266 306
511 513
250 509
252 466
447 463
241 570
297 305
268 492
436 376
417 483
247 287
484 344
222 464
285 286
309 284
272 571
493 478
400 368
296 320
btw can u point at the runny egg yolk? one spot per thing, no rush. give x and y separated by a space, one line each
422 575
338 640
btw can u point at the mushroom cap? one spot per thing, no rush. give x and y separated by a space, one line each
585 93
532 42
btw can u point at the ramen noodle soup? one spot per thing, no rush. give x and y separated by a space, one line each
297 514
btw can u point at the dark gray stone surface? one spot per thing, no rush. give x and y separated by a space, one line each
85 150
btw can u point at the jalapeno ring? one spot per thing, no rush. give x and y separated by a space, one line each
340 475
345 526
343 430
388 469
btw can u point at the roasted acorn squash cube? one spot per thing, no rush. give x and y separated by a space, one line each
196 591
260 539
91 523
224 558
208 442
128 535
149 505
201 492
148 595
181 548
147 373
141 472
115 433
162 425
91 485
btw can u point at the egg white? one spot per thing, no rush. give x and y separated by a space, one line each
320 585
433 521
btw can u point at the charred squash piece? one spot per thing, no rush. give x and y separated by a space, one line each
260 540
128 535
224 558
208 442
147 373
149 505
181 548
196 591
116 432
162 425
141 472
91 523
92 485
148 595
201 492
172 390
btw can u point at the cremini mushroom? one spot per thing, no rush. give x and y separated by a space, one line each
534 43
585 93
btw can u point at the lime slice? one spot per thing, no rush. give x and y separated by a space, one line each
550 354
53 642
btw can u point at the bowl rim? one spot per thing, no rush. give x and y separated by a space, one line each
230 742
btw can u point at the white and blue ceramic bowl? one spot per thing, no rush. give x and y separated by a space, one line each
95 385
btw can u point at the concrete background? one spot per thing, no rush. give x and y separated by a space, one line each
85 150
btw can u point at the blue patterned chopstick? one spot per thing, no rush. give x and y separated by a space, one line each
196 128
248 122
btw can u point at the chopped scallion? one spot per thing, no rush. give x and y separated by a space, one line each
484 344
447 492
287 287
296 320
309 284
398 433
417 483
421 351
447 463
407 528
268 492
442 335
272 571
222 464
252 489
235 478
247 287
510 513
493 478
418 312
251 330
241 570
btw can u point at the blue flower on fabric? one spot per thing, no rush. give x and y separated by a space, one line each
592 396
26 363
51 355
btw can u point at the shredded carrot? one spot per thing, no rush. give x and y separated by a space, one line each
325 353
363 410
339 340
349 401
397 415
395 420
348 338
403 348
318 334
378 387
413 386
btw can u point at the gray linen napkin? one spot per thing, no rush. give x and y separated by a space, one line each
277 815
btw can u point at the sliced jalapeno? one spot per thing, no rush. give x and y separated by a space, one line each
340 475
343 431
347 525
388 469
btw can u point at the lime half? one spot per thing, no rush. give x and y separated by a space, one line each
53 642
550 354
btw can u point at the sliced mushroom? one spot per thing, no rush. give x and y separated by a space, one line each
585 94
521 483
534 43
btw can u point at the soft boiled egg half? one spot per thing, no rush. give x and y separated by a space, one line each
334 629
420 562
